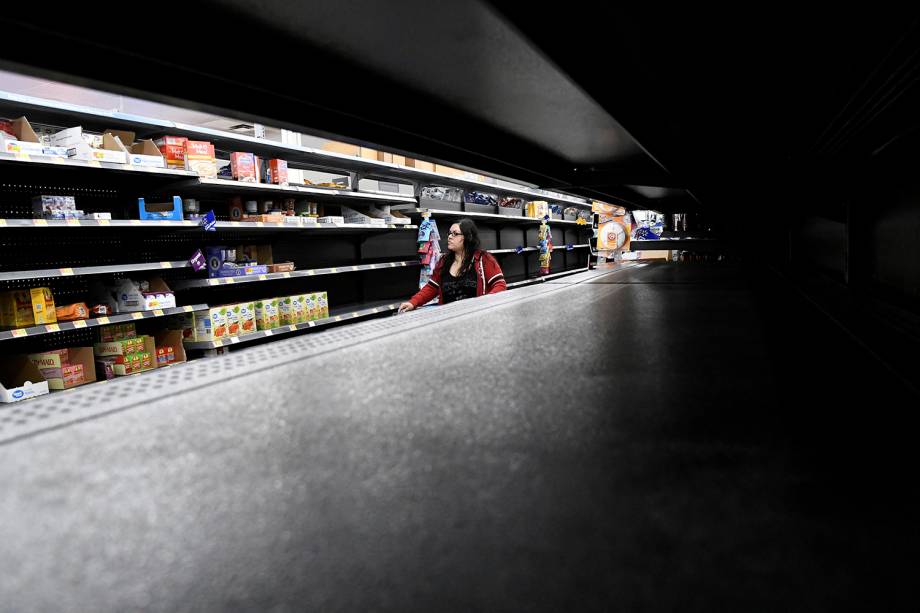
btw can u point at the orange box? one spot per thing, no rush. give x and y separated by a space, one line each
173 150
278 171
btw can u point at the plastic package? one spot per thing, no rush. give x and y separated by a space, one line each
448 194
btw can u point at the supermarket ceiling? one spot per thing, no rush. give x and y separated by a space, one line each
599 99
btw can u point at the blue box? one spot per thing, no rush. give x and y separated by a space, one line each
230 270
160 211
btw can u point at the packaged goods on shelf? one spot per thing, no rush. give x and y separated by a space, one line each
277 172
117 332
105 368
160 211
331 219
129 296
243 167
233 319
78 146
165 356
49 207
210 325
286 311
293 220
227 262
173 150
200 159
98 215
298 308
474 197
537 208
247 317
570 213
27 307
322 305
436 197
66 368
20 138
20 380
72 312
267 314
353 216
388 216
141 153
127 356
281 267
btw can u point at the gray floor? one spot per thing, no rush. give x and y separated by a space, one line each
627 442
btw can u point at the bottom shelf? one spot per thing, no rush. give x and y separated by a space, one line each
335 316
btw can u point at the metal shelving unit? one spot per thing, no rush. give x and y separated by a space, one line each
58 162
192 224
545 278
337 316
50 273
180 285
495 216
7 335
209 185
527 249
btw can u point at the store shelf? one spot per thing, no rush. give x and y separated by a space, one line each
688 244
19 275
58 162
6 335
316 272
506 218
43 110
202 184
544 278
192 224
336 316
527 249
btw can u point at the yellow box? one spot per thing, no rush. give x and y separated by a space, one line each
322 305
298 304
43 306
247 317
16 309
233 319
267 314
310 307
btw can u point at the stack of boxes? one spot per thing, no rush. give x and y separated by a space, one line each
65 368
22 308
122 352
244 318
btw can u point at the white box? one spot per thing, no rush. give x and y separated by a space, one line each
147 161
21 380
77 147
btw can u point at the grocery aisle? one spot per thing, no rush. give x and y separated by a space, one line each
605 441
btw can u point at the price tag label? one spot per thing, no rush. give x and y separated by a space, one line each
67 272
23 156
229 281
338 318
102 320
286 275
137 315
263 277
19 333
234 340
40 222
52 328
72 222
402 263
158 312
2 222
269 332
135 222
218 343
310 273
292 327
333 270
104 222
165 264
260 224
94 164
356 268
79 324
187 308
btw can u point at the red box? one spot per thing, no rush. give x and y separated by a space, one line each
278 171
199 149
173 150
243 166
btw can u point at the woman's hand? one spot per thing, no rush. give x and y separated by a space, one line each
405 307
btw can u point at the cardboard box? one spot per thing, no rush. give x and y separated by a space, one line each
367 153
117 332
277 172
141 153
129 298
25 140
322 305
419 164
286 311
20 380
73 140
66 368
173 150
160 211
43 306
267 314
448 170
200 159
172 339
128 346
247 317
298 308
243 167
343 148
211 325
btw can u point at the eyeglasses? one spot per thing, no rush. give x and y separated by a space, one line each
455 234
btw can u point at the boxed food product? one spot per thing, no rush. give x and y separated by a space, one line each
267 316
211 325
173 150
20 380
310 307
282 267
131 296
247 317
20 138
43 306
128 346
72 312
160 211
66 368
322 305
117 332
286 311
233 319
16 309
170 341
243 166
105 368
278 172
199 158
298 306
47 206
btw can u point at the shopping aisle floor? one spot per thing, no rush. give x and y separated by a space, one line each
627 443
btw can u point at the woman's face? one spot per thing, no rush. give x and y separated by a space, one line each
455 239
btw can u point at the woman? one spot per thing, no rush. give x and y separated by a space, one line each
464 271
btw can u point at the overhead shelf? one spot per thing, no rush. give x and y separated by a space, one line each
190 224
6 335
19 275
335 317
527 249
43 110
507 218
688 244
192 283
203 184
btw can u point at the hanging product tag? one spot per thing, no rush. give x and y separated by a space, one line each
209 222
198 261
519 249
569 247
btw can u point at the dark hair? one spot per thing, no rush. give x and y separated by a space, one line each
470 245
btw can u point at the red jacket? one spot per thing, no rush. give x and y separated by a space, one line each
489 279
